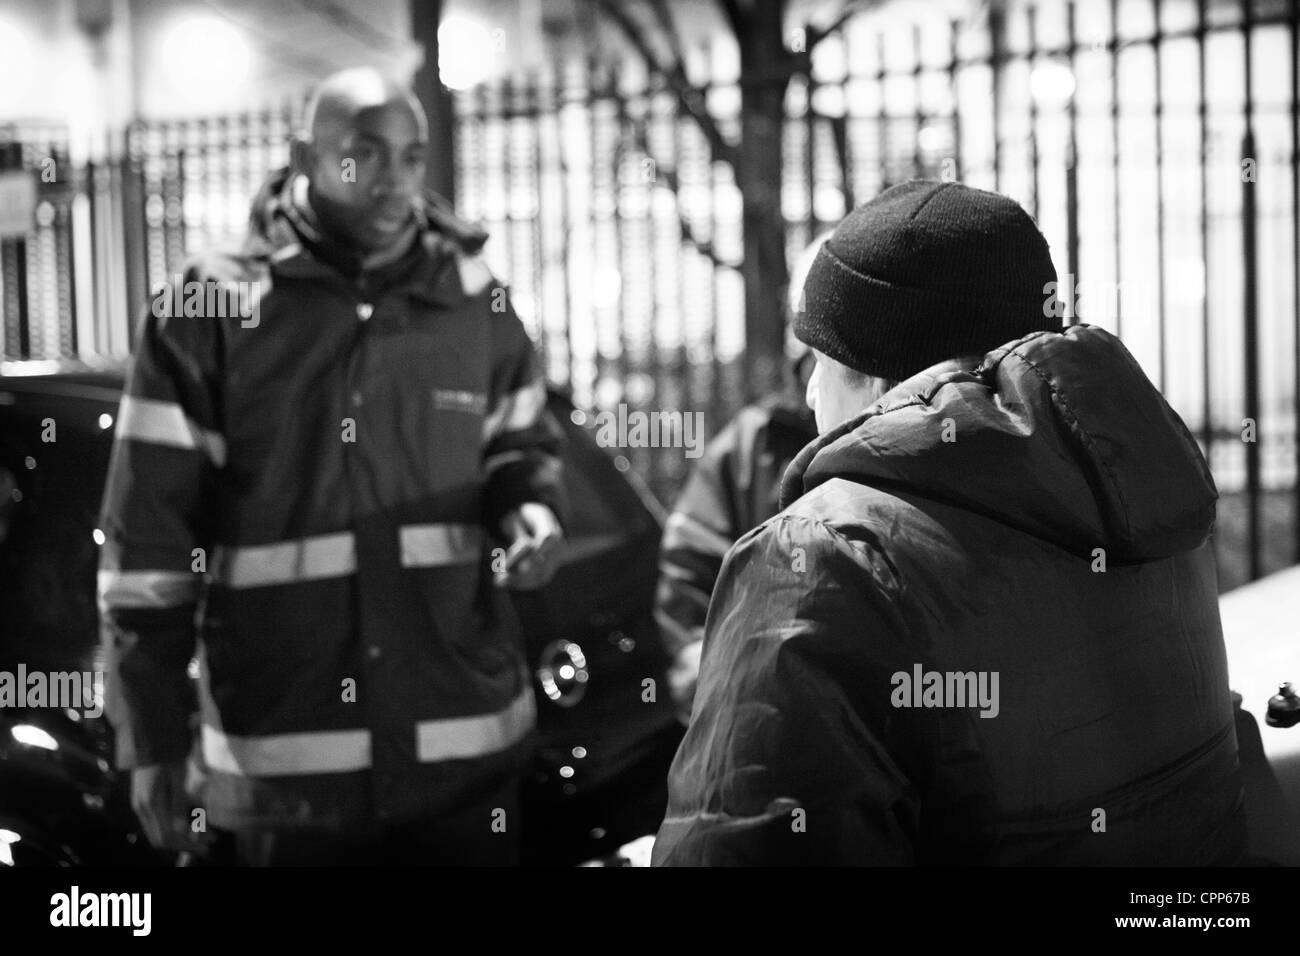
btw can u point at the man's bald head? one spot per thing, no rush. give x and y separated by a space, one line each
337 100
363 148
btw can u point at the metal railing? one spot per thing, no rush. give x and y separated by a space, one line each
1154 141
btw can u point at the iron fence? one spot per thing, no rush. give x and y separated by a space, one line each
1156 142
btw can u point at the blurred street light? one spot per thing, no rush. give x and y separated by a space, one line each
208 60
466 50
1051 84
17 61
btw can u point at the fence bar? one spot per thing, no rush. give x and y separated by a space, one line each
135 228
1114 160
882 116
651 236
1030 61
1160 194
103 315
138 199
1295 260
532 108
65 254
997 23
686 386
622 143
565 226
1250 305
13 262
1072 163
1202 109
953 86
918 120
810 153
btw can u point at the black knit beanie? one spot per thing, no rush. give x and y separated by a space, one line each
926 271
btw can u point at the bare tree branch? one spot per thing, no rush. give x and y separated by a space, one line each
690 98
840 133
665 18
353 24
706 249
851 8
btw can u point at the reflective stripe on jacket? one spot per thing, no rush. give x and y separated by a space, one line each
733 489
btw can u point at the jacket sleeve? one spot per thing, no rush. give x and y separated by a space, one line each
156 512
521 439
697 536
788 759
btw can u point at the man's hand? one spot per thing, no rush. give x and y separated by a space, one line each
536 540
159 799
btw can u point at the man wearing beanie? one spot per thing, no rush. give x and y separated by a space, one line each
985 628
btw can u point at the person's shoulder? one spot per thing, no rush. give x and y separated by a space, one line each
778 416
230 262
468 237
846 519
739 432
910 543
752 418
476 277
815 521
190 307
790 413
749 426
463 241
807 563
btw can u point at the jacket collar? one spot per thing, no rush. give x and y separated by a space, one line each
285 232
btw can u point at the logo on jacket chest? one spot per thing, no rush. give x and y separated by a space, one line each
456 400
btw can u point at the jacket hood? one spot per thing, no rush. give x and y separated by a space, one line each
275 221
1060 435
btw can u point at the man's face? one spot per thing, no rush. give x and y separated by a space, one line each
831 397
366 173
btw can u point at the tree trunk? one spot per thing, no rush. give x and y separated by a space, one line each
425 17
765 74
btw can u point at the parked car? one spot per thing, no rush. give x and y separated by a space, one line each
605 743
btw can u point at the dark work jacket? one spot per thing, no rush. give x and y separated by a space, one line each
1044 517
735 487
322 481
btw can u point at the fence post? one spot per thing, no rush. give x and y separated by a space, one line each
1295 258
1116 177
1159 119
1202 109
1072 166
13 262
997 42
1250 305
135 228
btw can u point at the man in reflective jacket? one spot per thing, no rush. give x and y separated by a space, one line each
734 488
984 629
323 436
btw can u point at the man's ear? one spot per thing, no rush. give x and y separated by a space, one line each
302 155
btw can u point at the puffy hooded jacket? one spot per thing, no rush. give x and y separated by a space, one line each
319 475
984 630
